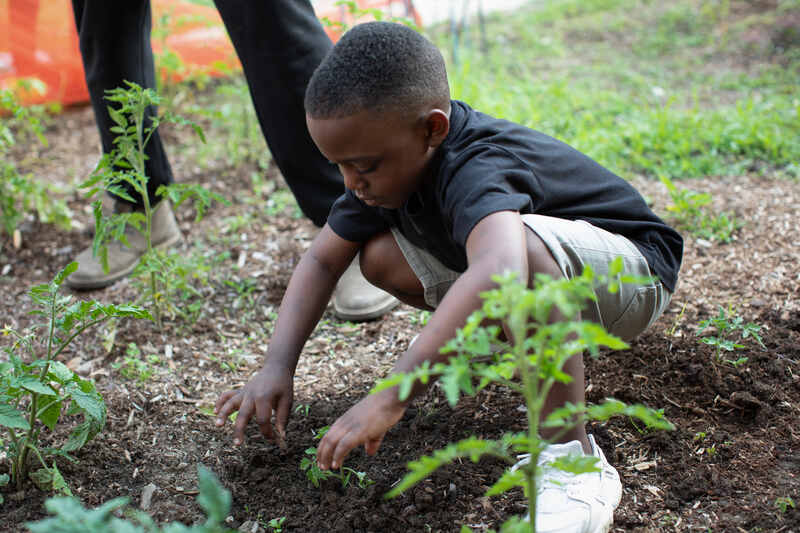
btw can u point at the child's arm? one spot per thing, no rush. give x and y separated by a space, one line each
306 297
496 244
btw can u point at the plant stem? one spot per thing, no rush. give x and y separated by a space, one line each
530 391
148 215
29 437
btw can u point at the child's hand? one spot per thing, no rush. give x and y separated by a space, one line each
269 390
365 423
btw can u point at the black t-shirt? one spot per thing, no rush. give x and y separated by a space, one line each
487 165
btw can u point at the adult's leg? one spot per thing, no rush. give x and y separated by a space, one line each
280 43
114 40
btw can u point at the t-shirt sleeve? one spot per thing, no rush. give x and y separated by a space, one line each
353 220
489 180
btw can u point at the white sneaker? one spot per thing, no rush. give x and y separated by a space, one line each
356 299
575 503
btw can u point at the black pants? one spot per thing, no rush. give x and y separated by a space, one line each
279 43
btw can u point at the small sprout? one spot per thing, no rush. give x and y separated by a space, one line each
277 524
731 331
783 503
303 408
315 474
319 433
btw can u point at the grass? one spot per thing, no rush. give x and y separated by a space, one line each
675 89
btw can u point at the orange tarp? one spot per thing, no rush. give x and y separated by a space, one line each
38 40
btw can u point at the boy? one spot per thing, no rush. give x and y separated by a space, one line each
439 198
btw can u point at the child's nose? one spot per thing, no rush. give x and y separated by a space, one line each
352 180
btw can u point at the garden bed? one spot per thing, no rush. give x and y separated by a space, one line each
735 452
690 91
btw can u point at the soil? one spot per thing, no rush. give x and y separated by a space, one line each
734 452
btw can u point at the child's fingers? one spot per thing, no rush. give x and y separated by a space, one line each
245 414
372 445
343 447
325 448
282 414
231 403
263 415
223 398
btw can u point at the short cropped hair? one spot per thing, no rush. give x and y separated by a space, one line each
378 66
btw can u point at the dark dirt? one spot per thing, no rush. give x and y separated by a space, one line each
735 451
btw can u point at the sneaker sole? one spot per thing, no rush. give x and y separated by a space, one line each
110 279
370 313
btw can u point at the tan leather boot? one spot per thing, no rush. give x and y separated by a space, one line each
356 299
123 259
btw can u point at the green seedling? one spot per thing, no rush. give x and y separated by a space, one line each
689 210
671 331
122 172
315 474
244 289
731 331
537 355
36 388
71 517
303 408
180 278
21 193
276 524
230 362
783 503
135 367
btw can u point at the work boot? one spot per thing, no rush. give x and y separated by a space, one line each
356 299
123 259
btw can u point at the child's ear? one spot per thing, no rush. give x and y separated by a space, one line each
437 125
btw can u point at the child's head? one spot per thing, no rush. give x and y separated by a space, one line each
378 107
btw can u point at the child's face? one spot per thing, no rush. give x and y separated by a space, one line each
382 156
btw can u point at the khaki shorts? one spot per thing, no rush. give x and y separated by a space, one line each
573 244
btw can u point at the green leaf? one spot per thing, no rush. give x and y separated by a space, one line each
66 271
472 447
575 464
199 131
59 372
515 524
48 479
213 497
78 437
50 411
59 484
11 418
615 267
507 481
34 385
117 117
83 394
71 517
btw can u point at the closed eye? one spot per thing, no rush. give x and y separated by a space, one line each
366 169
